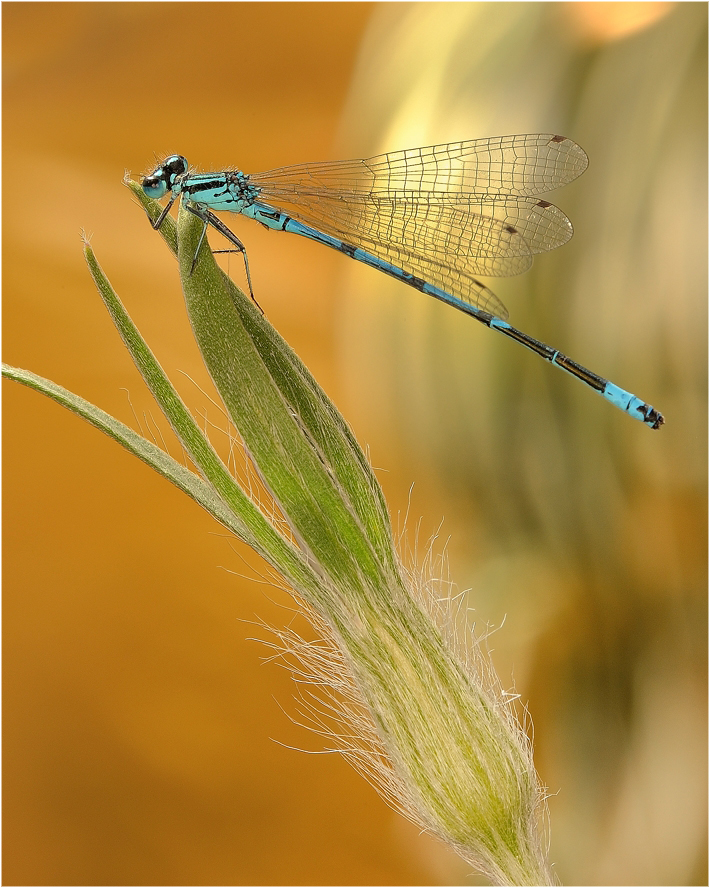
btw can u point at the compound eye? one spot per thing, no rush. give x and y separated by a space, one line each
175 165
154 186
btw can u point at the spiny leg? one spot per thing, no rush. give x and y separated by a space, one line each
161 218
209 218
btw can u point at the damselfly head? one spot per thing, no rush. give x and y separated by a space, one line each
162 179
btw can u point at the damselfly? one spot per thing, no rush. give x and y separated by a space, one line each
431 217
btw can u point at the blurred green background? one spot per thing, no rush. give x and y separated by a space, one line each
137 718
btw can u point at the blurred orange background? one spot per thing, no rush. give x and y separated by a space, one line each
138 719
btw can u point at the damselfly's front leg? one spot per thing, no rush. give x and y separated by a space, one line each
161 218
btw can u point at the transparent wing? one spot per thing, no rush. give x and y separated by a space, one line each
446 245
444 213
520 165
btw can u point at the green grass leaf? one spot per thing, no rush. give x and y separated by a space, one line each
421 719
